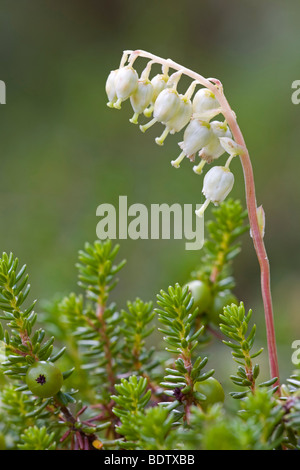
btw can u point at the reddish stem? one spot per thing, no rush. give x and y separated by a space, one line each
216 87
256 235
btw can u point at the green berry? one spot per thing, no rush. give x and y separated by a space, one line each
44 379
201 294
221 300
213 391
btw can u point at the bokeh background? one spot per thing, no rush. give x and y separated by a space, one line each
64 152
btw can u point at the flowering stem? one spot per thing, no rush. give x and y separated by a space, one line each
256 236
216 87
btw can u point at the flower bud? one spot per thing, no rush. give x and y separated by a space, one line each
217 184
205 104
231 147
111 89
126 82
261 221
141 98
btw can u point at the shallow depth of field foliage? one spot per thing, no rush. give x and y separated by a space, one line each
124 390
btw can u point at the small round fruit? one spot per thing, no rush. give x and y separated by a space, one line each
201 294
213 391
44 379
221 300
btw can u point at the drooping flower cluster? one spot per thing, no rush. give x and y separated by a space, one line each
203 136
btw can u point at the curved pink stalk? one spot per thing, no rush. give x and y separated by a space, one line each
257 237
216 87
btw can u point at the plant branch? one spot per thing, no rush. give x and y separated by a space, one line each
106 346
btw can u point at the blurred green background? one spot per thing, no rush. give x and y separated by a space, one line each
64 152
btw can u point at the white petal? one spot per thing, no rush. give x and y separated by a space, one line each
231 147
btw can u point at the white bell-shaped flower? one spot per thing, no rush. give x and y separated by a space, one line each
205 104
179 120
159 83
166 105
217 184
141 98
182 117
171 108
126 82
196 135
111 89
166 108
213 149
